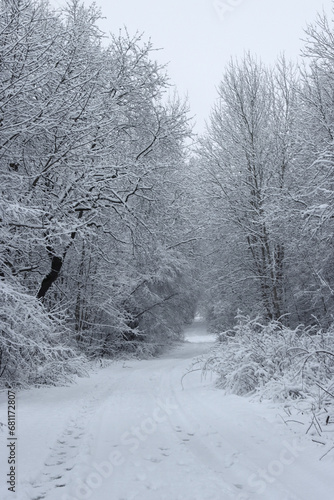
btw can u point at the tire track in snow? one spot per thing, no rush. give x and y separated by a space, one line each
191 436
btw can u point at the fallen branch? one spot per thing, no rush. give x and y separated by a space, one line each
330 449
187 373
325 390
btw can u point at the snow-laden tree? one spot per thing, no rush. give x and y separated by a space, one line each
314 194
92 165
246 156
35 344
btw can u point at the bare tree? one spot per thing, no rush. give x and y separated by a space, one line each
246 155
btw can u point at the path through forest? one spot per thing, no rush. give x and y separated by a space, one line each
131 432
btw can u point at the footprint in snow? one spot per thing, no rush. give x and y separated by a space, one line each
230 460
55 477
60 462
163 451
152 459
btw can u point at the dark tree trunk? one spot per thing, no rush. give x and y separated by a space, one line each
56 265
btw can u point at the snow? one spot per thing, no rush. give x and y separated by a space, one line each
130 432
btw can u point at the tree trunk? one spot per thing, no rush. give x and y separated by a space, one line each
56 265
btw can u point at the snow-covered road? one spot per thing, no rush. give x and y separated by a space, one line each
130 432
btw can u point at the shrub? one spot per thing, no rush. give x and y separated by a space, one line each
273 360
34 344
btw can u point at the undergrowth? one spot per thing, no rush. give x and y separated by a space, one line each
270 361
273 362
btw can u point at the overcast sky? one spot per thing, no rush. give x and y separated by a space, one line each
198 37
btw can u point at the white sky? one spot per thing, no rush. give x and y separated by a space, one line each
198 37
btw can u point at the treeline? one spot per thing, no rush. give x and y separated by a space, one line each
96 238
266 165
109 227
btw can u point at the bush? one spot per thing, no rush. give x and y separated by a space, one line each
34 344
274 361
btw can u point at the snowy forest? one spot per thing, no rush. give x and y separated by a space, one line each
166 296
97 237
117 223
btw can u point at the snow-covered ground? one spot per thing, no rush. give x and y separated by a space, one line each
130 432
